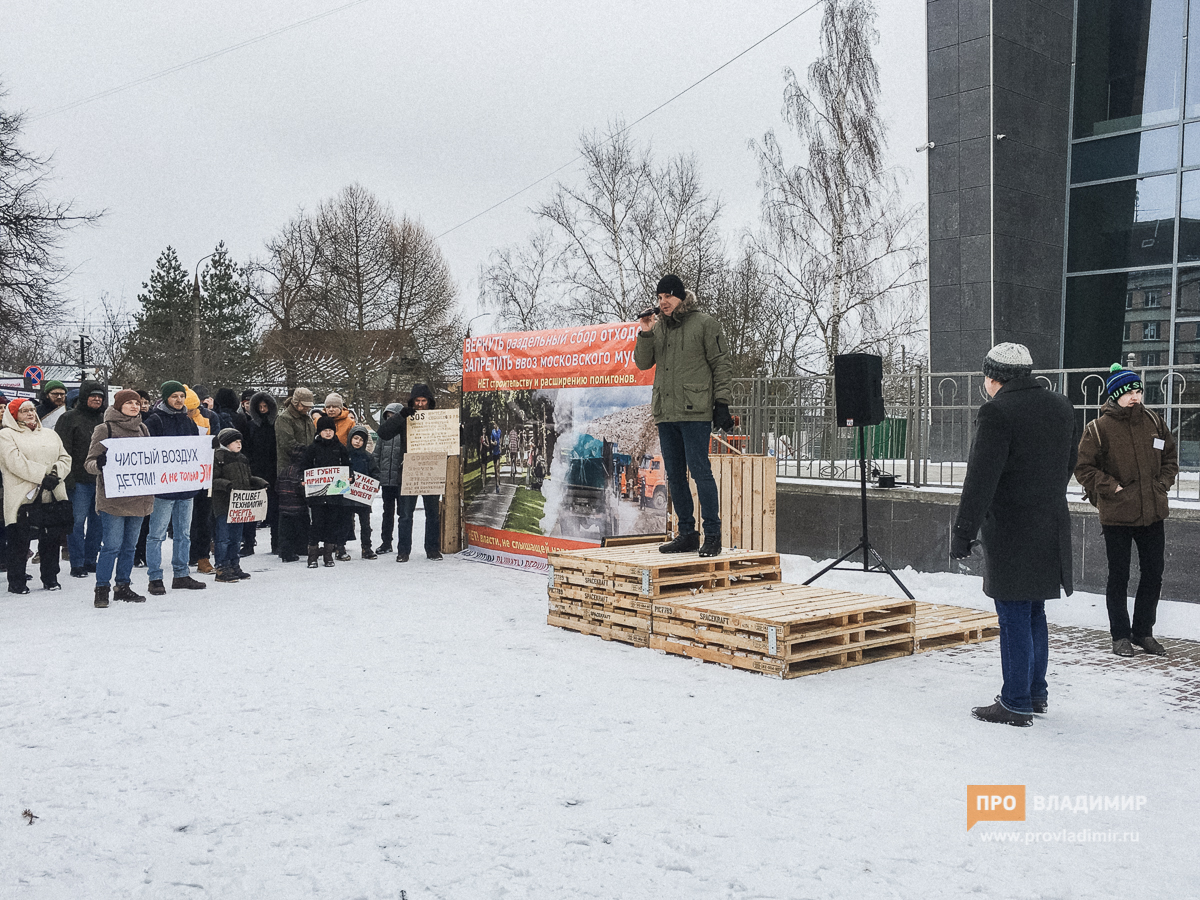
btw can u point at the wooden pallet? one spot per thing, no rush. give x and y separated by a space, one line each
939 626
647 573
746 491
610 625
785 630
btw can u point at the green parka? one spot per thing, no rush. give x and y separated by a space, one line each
690 357
1118 450
292 429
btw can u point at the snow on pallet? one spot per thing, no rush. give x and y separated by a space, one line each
785 630
940 626
645 572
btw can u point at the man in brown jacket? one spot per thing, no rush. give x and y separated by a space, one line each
1127 464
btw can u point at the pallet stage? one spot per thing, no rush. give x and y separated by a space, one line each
645 572
785 630
940 626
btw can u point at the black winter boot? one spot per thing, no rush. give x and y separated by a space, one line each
327 551
127 593
342 555
314 553
999 714
684 543
101 601
712 546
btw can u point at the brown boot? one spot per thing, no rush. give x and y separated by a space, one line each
127 593
204 567
101 601
187 583
327 552
156 588
314 553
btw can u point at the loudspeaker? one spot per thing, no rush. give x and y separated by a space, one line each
858 389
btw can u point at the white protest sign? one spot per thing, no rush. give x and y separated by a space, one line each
156 465
433 431
364 490
247 506
424 474
329 481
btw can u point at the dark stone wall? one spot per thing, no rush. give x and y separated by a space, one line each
912 528
1025 46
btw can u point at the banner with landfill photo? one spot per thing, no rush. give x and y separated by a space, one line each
560 449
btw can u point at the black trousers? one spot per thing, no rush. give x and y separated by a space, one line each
250 534
363 514
293 535
1151 545
202 527
391 494
328 523
18 537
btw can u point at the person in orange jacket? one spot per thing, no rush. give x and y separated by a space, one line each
343 419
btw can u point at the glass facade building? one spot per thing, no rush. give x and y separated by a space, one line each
1132 280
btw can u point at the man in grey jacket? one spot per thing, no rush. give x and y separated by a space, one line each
692 391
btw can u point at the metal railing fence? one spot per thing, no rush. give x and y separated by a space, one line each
930 421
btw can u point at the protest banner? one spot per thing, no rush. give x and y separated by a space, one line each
433 431
424 474
364 490
329 481
157 465
561 448
247 506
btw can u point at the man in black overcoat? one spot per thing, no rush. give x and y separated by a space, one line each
1023 455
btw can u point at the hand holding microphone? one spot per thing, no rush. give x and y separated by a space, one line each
646 317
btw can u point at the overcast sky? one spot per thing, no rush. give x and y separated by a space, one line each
441 109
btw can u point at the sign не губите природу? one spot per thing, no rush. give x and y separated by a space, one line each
156 465
330 481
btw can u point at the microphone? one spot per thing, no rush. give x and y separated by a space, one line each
649 311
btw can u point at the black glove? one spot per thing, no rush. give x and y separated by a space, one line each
960 547
102 460
721 418
50 482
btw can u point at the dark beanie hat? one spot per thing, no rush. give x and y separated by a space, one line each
1121 381
145 395
672 284
324 422
171 387
228 435
1007 361
247 393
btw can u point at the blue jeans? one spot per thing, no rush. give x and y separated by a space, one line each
228 539
685 449
177 514
118 546
84 542
405 507
1024 653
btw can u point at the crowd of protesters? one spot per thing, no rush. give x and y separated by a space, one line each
52 458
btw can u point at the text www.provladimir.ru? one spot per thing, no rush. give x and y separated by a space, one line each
1060 837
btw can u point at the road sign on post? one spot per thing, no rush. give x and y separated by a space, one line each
33 377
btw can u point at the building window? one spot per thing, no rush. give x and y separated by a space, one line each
1122 224
1127 336
1150 331
1151 357
1152 300
1126 154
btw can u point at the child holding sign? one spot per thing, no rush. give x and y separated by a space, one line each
231 472
326 502
361 463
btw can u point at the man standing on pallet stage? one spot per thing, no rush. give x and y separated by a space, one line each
692 390
1023 454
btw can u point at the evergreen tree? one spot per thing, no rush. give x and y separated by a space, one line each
227 322
160 346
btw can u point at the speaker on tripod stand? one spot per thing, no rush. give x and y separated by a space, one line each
858 397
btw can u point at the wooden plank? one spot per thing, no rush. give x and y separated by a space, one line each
636 638
756 502
748 512
839 659
768 541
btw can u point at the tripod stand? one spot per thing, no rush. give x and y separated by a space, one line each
864 543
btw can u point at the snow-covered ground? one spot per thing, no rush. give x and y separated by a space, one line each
377 730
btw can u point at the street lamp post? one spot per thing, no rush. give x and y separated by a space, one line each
196 320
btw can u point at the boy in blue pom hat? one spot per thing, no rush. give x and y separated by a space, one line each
1127 464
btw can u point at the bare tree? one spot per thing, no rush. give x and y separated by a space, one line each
426 304
31 228
110 333
839 246
518 284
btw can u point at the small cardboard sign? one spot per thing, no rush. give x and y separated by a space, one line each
364 490
247 506
424 474
433 431
329 481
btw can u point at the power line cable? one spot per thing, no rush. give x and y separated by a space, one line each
194 62
643 118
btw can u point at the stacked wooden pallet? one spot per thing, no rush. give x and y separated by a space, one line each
608 592
785 630
940 626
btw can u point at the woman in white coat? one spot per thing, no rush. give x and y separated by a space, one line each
32 459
